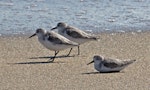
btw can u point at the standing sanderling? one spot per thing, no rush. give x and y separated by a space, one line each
53 41
74 34
109 65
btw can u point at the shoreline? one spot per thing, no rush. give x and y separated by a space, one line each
96 33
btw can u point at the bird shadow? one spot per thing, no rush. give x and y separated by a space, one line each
41 62
88 73
63 56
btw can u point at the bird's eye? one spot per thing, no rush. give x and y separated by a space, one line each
37 31
59 24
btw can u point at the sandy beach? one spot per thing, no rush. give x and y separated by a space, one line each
23 64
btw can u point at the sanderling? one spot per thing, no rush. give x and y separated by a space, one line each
102 64
74 34
53 41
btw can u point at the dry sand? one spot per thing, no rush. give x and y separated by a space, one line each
23 64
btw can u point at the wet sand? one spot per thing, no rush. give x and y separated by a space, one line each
24 66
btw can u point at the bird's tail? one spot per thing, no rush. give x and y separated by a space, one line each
129 62
74 43
95 38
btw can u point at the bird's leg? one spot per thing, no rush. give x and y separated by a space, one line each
78 50
56 52
69 52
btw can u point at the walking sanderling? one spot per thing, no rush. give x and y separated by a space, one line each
102 64
53 41
74 34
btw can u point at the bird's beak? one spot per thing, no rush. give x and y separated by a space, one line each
32 35
90 62
54 28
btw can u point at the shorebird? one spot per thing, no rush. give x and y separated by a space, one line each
74 34
53 41
109 65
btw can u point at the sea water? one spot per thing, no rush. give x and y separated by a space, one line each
25 16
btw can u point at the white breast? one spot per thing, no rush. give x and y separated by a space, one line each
102 68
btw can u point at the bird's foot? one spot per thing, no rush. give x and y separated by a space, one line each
51 59
68 55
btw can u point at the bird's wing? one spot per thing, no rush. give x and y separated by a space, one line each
110 63
53 37
76 33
